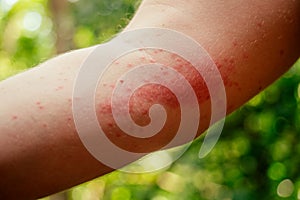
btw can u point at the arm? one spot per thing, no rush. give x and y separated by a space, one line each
40 150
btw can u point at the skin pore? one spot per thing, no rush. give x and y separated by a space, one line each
252 43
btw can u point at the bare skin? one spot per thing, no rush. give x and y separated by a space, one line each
252 43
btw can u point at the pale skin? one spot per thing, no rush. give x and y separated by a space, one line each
252 43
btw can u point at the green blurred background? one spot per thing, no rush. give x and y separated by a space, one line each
255 158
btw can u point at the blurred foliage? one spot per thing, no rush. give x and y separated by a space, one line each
255 158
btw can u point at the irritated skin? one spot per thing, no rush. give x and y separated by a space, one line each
148 95
252 43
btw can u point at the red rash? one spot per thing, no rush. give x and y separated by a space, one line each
235 44
59 88
230 65
245 56
260 24
14 117
38 103
146 96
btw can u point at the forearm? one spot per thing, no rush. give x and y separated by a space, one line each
41 152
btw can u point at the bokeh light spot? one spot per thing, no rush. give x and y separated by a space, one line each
6 5
83 37
255 101
159 198
285 188
277 171
32 21
170 182
280 150
121 193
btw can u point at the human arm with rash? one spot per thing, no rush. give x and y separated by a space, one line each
251 42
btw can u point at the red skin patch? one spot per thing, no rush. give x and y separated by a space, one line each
140 117
14 117
235 43
105 109
245 56
260 24
155 51
226 67
219 65
110 125
39 105
59 88
148 95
